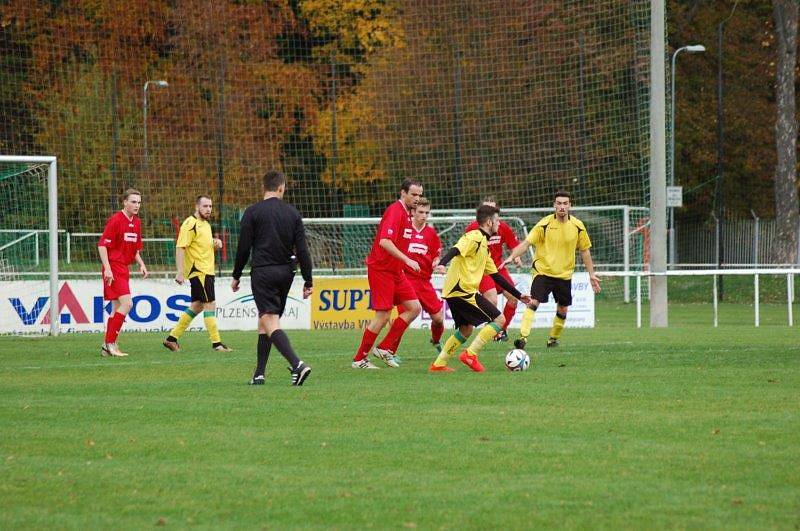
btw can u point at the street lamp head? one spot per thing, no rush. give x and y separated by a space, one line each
695 48
162 83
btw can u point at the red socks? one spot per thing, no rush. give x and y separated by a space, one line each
367 341
508 313
113 327
392 340
436 332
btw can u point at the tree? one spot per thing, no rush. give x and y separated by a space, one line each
787 210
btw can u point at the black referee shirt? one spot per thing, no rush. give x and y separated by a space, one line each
274 231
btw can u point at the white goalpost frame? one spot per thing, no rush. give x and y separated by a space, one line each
715 273
52 227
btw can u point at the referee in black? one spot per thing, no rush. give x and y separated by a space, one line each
273 231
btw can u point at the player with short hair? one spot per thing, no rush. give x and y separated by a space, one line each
194 258
425 248
489 288
556 237
273 231
387 282
119 246
470 261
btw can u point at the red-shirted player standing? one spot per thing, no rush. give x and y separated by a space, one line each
387 282
488 288
119 247
425 247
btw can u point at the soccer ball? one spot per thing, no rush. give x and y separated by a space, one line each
517 360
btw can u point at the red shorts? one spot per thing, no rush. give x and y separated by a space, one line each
488 283
119 286
428 298
388 289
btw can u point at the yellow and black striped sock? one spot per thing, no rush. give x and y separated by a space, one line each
183 323
450 348
210 318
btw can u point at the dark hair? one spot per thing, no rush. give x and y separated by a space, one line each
273 179
129 192
485 212
202 196
561 193
408 183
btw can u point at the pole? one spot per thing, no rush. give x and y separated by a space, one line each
671 231
659 317
334 132
719 197
52 222
221 144
144 123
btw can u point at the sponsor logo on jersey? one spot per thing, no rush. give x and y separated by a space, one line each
417 248
131 237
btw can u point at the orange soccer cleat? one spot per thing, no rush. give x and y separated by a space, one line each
471 361
442 368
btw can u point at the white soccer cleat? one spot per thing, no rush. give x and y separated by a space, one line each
387 356
364 364
111 350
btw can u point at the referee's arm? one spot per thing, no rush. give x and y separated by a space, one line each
243 250
301 251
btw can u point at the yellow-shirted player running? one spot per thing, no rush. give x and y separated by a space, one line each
556 238
470 261
194 258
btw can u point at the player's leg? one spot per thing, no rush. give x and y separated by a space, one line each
437 329
562 292
120 307
391 343
539 293
454 342
187 316
381 285
509 309
210 314
485 312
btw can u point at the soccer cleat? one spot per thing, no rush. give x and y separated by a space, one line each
172 345
471 361
220 347
552 342
387 356
364 364
111 350
501 336
300 374
257 380
520 342
438 368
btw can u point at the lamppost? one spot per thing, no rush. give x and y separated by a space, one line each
692 48
160 83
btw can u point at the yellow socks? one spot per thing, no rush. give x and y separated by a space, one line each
484 336
210 319
183 323
450 348
527 322
558 325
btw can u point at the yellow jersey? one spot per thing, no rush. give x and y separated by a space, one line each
465 272
556 243
198 244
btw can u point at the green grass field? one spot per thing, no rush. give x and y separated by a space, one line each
686 427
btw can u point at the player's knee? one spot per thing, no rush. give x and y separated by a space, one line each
125 306
415 308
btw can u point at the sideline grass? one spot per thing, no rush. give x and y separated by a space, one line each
685 427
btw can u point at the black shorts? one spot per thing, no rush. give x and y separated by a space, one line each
271 285
202 288
473 310
542 286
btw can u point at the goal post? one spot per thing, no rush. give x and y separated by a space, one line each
52 224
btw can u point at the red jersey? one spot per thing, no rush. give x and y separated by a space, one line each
395 225
424 248
505 235
122 237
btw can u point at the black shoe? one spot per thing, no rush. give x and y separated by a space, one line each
520 343
501 336
552 342
300 374
172 344
257 380
220 347
436 345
